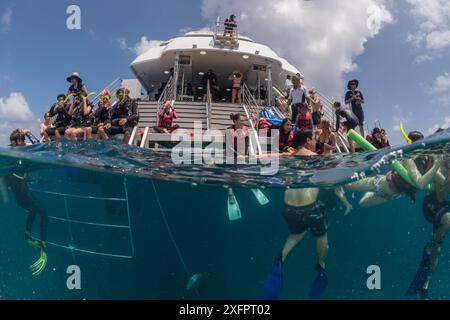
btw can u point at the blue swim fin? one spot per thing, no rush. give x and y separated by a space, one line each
416 286
273 284
234 212
319 285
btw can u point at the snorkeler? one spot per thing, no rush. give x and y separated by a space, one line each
350 121
102 115
18 183
305 211
82 118
384 188
60 112
124 116
436 210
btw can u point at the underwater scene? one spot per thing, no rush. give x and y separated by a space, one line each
140 227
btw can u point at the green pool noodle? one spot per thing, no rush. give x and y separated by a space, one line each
367 146
277 92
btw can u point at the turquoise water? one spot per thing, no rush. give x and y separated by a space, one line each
180 228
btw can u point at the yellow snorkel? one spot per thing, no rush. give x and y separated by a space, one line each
405 136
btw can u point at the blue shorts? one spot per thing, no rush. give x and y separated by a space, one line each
359 113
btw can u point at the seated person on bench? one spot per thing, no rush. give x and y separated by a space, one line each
124 116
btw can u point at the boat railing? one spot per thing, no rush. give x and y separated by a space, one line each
112 88
208 105
331 116
225 37
252 110
166 95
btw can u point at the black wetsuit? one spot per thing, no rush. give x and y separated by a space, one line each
61 119
79 120
433 210
18 184
126 110
351 121
101 116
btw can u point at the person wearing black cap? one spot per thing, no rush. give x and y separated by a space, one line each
77 85
18 183
124 115
355 98
60 112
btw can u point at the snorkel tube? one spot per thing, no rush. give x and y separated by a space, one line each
402 130
367 146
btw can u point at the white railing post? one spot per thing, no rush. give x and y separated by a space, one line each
269 83
176 68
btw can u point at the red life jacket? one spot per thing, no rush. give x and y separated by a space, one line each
166 120
264 124
378 144
304 121
286 140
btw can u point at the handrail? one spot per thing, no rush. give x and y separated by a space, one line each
113 86
167 94
219 32
251 109
208 106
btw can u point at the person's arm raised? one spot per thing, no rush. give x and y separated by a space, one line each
421 181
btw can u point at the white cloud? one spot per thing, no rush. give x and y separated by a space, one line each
445 125
145 44
122 42
139 48
433 17
441 90
424 58
6 20
15 113
321 38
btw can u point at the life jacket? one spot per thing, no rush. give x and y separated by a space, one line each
404 187
166 120
265 125
376 143
304 121
286 140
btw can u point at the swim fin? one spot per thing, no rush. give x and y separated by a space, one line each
260 196
319 285
273 284
234 213
416 286
38 267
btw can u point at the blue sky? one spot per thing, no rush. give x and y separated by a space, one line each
403 66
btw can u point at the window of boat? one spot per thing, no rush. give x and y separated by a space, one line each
185 60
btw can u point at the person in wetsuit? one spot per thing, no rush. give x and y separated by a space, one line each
436 210
350 121
76 85
304 212
384 188
102 116
18 183
82 118
61 118
124 116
